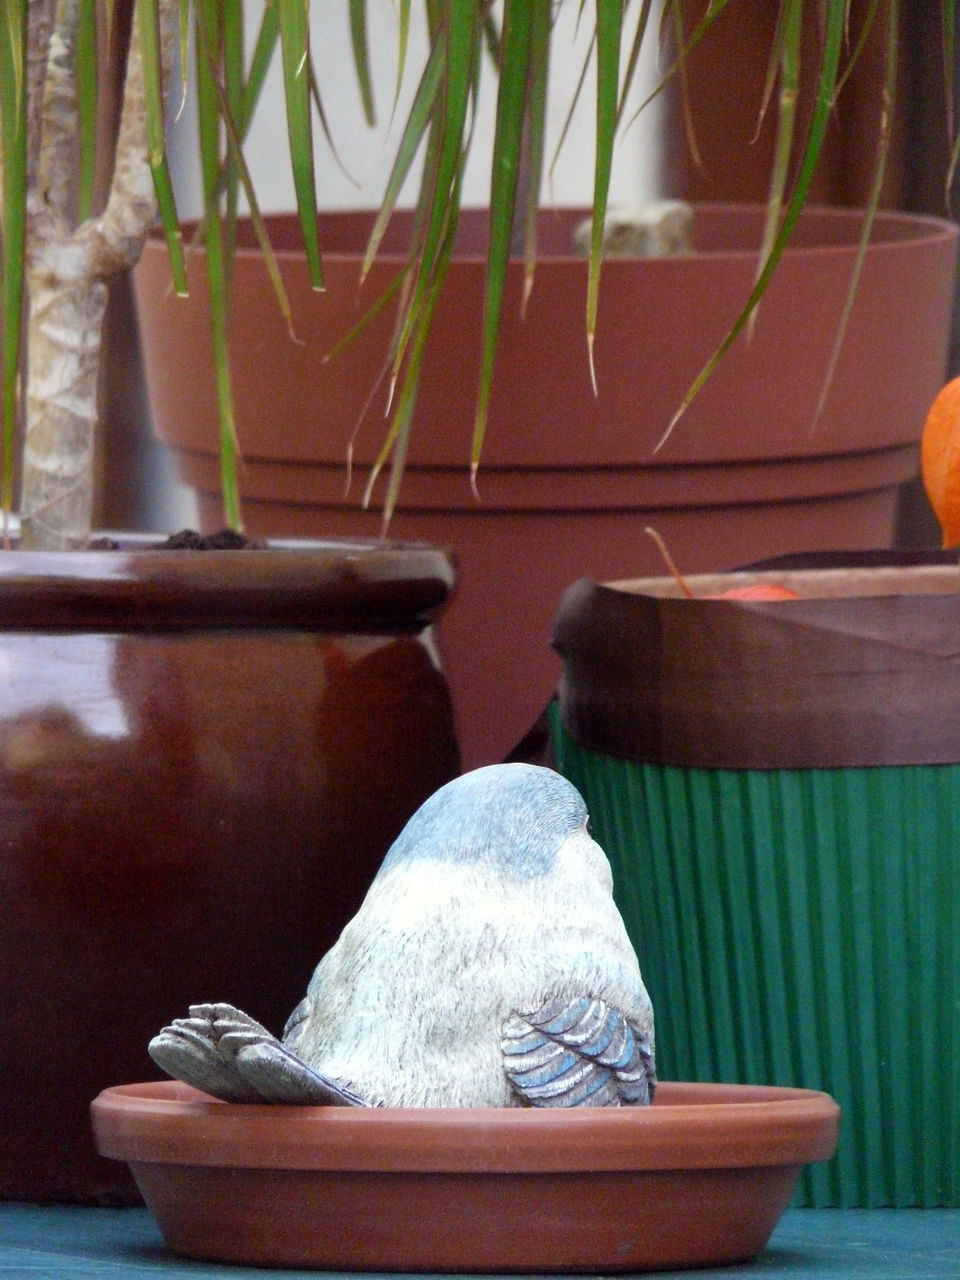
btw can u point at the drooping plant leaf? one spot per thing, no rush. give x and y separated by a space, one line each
397 440
148 18
183 58
233 97
636 49
672 17
208 130
264 47
572 105
13 210
866 25
421 213
835 14
86 76
892 58
435 222
403 40
531 171
295 49
230 112
515 47
398 437
361 57
418 124
369 315
234 171
609 33
238 98
674 12
325 129
415 129
785 66
442 178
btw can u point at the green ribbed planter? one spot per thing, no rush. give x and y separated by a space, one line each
795 925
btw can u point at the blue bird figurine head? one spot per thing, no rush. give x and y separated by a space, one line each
512 818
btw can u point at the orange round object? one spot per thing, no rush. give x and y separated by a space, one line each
761 591
940 460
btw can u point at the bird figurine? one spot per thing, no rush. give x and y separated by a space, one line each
488 966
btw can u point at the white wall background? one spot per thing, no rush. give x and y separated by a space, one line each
366 153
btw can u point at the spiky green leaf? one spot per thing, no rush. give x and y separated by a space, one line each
86 76
444 166
515 45
609 17
209 131
13 154
295 48
536 131
411 140
148 19
263 50
785 64
835 13
891 63
361 57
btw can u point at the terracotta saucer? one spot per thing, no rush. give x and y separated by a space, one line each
699 1178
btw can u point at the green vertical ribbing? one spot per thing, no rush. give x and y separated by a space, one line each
776 1032
800 927
737 902
895 964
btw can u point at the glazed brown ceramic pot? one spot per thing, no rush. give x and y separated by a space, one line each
569 479
700 1177
203 758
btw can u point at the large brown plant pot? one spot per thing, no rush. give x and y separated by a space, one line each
203 758
569 480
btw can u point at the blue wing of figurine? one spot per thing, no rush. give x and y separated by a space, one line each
581 1052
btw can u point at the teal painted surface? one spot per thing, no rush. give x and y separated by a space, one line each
802 927
808 1244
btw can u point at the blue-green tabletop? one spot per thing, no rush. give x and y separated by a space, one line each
66 1243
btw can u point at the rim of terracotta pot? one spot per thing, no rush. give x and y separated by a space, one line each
690 1126
732 230
908 267
375 585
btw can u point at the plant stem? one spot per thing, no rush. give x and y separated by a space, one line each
67 290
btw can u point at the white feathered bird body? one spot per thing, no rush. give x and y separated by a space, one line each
487 966
407 1008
